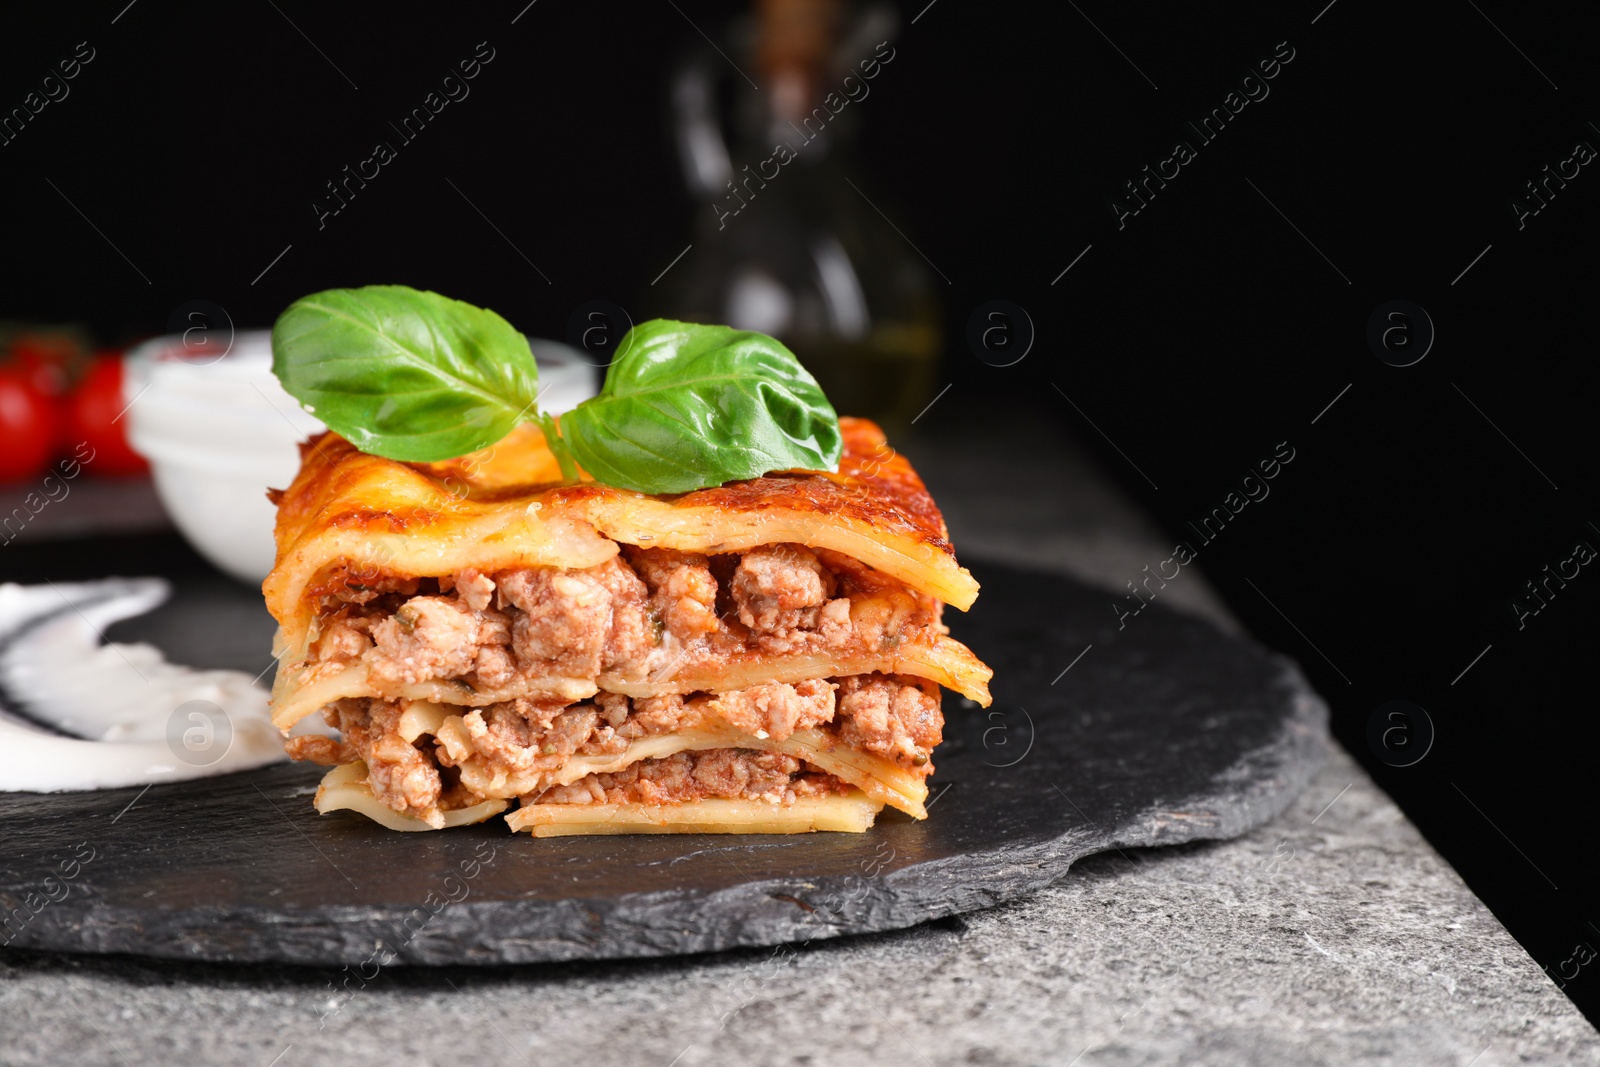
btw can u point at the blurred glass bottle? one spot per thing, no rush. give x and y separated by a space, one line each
783 243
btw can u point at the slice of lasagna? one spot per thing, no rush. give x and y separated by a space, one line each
761 657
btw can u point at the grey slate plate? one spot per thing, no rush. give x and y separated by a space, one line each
1163 732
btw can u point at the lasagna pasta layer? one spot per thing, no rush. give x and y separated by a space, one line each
345 789
941 660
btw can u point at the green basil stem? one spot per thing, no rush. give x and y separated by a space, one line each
558 446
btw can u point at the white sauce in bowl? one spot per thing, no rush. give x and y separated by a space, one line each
79 714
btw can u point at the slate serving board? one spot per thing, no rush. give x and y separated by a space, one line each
1163 732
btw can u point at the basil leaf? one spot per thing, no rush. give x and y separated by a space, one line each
403 373
686 406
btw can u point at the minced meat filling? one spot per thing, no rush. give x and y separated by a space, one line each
645 611
683 594
891 716
776 709
737 773
781 587
404 776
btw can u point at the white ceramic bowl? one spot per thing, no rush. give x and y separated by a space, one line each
219 432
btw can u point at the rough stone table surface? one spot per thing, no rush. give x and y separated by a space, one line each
1332 935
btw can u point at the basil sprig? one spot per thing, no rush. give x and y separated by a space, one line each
417 376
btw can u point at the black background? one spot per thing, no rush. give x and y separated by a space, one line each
1218 322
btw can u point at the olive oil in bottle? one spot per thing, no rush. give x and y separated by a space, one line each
786 241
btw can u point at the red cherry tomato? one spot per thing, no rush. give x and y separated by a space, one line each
96 414
48 361
28 425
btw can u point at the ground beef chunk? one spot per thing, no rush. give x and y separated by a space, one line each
405 780
654 715
784 599
344 639
569 730
564 622
400 775
518 735
884 610
833 622
500 734
683 594
432 637
613 708
315 748
604 741
632 640
890 716
780 587
777 709
494 666
474 587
